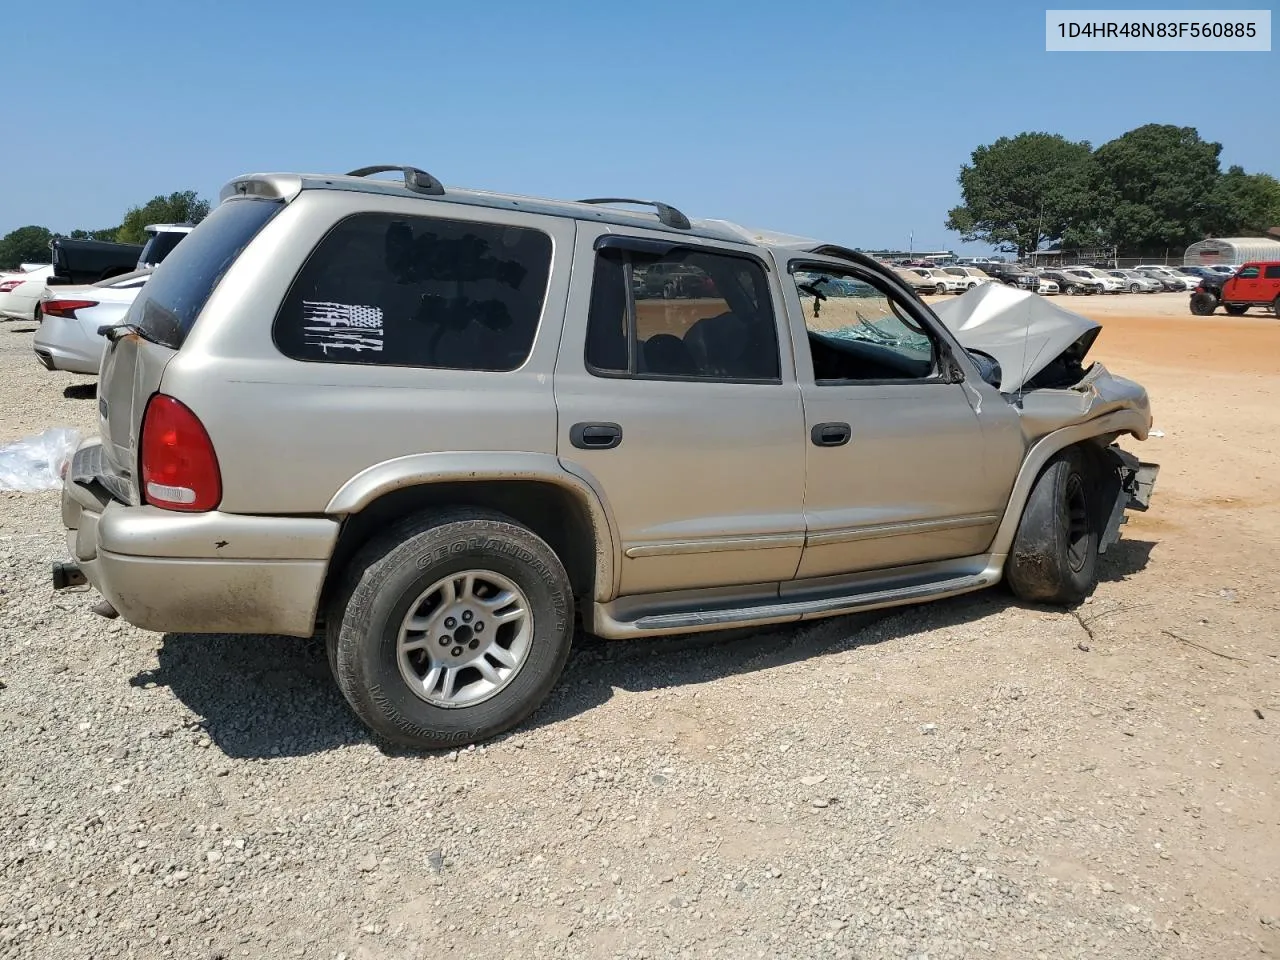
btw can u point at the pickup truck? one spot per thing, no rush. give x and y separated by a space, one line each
91 261
1253 285
88 261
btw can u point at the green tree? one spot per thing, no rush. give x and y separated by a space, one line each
25 245
108 234
1153 187
1245 204
1021 191
181 207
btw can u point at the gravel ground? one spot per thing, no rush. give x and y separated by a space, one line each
971 778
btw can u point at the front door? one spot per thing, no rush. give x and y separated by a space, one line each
1246 285
676 397
904 465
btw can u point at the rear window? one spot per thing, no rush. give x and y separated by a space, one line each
167 308
418 292
159 246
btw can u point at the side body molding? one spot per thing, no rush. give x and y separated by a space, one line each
474 466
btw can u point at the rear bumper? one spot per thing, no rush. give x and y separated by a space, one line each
198 573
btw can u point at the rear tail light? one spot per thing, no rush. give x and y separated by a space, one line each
10 285
65 308
179 466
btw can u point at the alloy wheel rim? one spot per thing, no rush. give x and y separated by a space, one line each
465 638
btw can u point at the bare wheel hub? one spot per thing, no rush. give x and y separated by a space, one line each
464 638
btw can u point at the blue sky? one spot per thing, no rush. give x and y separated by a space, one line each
843 120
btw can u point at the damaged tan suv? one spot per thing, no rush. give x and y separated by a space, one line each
443 426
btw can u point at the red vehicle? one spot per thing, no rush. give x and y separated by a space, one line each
1255 284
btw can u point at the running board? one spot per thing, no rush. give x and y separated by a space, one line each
762 611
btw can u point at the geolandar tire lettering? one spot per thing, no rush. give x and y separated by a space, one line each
450 628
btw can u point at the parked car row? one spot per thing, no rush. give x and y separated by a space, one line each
958 279
89 285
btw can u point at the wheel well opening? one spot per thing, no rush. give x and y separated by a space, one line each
552 512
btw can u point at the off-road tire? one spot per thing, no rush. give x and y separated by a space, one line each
1054 558
1203 304
389 574
1275 306
1235 309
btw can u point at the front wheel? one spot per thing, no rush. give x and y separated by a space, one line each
450 629
1054 558
1070 289
940 289
1203 304
1134 287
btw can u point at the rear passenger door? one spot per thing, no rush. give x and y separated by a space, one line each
676 397
1271 283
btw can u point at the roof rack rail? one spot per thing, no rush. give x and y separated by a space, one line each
419 181
667 214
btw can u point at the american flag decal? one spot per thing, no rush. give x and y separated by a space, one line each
341 326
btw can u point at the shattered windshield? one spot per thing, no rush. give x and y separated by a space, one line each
845 309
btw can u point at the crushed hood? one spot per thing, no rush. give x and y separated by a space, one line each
1023 331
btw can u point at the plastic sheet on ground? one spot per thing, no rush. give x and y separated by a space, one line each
35 463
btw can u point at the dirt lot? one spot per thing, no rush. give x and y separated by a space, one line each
972 778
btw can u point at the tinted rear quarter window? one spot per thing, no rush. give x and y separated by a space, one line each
172 299
418 292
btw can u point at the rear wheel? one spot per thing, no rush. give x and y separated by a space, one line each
1203 304
1235 309
37 315
450 629
1055 552
1275 306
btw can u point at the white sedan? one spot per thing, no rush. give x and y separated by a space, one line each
1109 283
20 293
68 337
942 281
969 276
